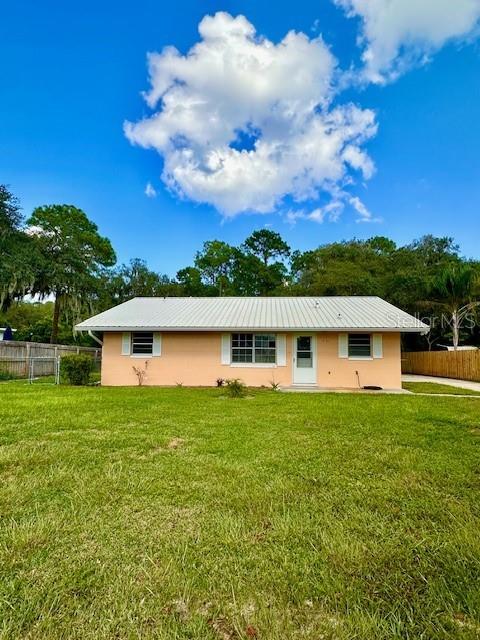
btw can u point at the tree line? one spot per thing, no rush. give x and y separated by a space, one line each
58 253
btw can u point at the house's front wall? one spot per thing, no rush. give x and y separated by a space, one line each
338 372
195 359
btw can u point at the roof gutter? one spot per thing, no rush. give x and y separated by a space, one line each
420 329
94 337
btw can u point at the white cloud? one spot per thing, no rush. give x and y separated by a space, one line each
333 210
364 214
150 191
399 33
318 215
330 212
242 122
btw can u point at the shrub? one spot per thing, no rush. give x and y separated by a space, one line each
141 373
235 388
77 368
6 375
220 382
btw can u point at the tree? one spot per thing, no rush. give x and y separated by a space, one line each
10 212
215 262
18 255
74 254
250 277
32 320
381 245
33 323
190 281
135 280
254 269
266 245
355 267
431 252
455 289
138 280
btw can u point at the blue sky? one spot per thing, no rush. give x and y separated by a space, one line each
73 73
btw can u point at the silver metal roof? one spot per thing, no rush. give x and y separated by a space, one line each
279 313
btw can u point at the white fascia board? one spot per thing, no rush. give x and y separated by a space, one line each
422 330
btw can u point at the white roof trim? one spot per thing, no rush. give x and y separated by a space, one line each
264 329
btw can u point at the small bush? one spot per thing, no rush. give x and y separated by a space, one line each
6 375
220 382
77 368
235 388
141 374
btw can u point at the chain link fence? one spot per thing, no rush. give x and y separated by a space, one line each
40 363
43 370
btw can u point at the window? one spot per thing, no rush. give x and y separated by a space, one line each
255 348
242 347
359 345
265 348
142 343
304 352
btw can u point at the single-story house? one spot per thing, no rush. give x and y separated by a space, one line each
327 342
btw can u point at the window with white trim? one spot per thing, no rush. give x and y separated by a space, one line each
142 343
359 345
255 348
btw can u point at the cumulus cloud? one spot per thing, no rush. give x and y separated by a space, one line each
150 190
399 33
242 122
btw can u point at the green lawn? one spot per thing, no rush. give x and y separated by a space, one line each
434 387
175 514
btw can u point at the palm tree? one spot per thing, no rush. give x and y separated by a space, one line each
455 290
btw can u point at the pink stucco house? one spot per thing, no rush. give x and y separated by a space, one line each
325 342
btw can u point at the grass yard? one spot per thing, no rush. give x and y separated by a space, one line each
178 513
434 387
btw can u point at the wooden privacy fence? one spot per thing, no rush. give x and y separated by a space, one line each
463 365
16 357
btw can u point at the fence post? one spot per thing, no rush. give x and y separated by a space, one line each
27 361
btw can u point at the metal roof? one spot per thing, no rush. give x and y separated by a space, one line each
276 313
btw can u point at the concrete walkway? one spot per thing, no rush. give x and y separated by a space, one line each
370 392
451 382
463 384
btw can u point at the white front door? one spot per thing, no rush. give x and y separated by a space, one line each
304 360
